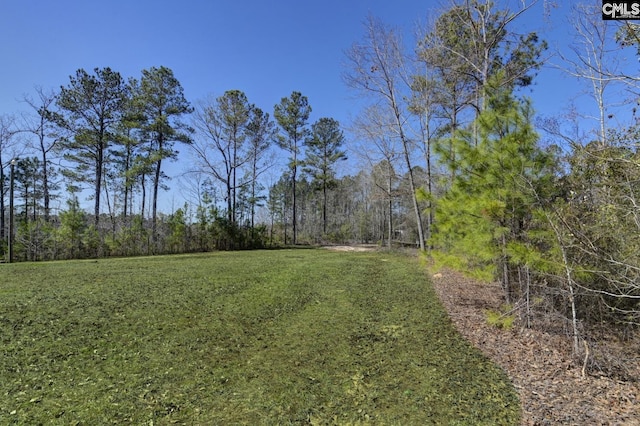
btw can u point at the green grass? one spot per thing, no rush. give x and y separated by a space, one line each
265 337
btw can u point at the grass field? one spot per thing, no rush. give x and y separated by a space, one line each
263 337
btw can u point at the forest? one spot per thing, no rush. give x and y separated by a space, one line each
452 159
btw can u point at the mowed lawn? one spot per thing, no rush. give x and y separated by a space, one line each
261 337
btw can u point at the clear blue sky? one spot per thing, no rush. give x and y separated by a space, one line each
265 48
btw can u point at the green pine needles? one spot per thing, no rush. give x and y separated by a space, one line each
497 169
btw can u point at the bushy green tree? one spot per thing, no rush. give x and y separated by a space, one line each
91 107
177 241
470 43
324 150
72 226
498 178
131 240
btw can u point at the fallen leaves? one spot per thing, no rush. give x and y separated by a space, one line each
550 384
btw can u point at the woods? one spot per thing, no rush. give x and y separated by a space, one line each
446 153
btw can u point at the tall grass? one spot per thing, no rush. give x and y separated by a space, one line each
264 337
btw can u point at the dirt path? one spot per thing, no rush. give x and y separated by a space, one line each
354 248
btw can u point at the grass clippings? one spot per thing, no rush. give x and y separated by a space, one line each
264 337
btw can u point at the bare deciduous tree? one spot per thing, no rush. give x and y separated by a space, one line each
42 125
594 61
377 68
7 131
381 154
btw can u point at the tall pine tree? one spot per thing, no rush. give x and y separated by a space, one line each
292 114
489 206
91 106
163 104
323 152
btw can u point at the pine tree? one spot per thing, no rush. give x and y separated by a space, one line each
292 114
163 104
323 152
261 132
91 106
489 206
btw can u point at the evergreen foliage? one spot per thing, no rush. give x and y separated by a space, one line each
163 104
292 114
324 150
499 170
91 105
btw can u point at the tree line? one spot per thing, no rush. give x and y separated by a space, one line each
452 158
112 137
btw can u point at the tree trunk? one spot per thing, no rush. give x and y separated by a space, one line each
2 205
254 172
45 186
416 208
98 187
324 208
99 171
430 215
294 177
154 209
234 184
506 285
390 219
143 188
229 199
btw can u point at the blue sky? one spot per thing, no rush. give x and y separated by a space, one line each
265 48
